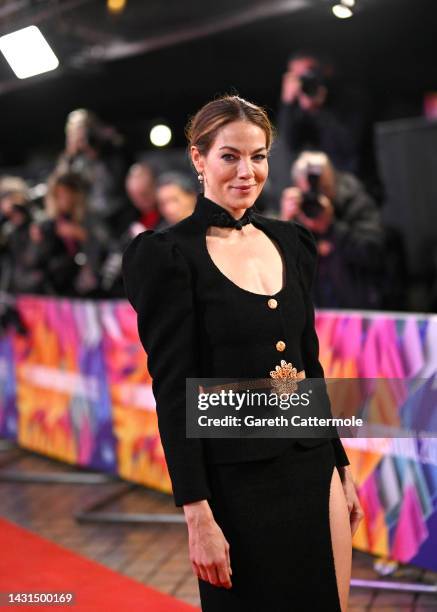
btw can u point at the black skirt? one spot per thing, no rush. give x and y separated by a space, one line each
275 515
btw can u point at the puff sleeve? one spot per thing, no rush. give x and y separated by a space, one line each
157 282
306 261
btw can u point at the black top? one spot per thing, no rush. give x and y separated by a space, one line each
193 321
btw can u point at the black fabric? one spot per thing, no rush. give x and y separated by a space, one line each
194 322
225 219
350 276
275 515
322 130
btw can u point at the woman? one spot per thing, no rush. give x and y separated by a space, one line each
225 293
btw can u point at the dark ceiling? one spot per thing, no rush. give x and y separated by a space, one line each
161 59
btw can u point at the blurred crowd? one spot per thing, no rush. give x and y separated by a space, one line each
70 241
68 237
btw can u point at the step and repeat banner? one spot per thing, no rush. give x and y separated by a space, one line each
74 386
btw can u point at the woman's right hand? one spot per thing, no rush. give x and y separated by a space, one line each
209 549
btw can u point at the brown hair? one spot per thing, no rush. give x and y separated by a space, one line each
202 129
73 182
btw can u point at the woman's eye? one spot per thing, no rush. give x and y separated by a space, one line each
231 157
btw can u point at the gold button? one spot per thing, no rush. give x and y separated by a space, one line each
280 345
272 303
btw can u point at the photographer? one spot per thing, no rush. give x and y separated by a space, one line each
14 223
39 246
20 269
347 226
94 151
307 120
59 235
13 191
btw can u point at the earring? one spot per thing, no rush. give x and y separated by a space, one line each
200 177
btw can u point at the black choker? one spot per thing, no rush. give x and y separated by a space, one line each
210 213
224 219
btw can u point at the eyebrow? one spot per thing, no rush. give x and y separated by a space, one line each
237 150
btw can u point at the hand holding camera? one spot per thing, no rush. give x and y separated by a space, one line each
308 205
307 87
296 205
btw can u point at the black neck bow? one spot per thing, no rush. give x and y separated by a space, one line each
220 217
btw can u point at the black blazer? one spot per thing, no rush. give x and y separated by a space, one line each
195 322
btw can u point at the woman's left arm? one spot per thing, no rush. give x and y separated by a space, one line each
356 513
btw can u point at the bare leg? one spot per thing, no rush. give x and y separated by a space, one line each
341 538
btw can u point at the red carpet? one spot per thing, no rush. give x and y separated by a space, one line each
31 563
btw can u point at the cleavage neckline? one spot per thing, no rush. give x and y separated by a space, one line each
283 253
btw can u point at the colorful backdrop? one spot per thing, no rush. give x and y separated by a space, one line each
75 387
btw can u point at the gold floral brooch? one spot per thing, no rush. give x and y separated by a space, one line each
285 377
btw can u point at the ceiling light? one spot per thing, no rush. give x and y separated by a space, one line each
116 6
28 53
160 135
341 11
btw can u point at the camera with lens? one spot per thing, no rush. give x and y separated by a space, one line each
311 81
311 205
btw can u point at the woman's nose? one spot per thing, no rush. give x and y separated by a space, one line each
245 169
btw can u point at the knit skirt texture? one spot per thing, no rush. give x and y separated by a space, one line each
275 515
